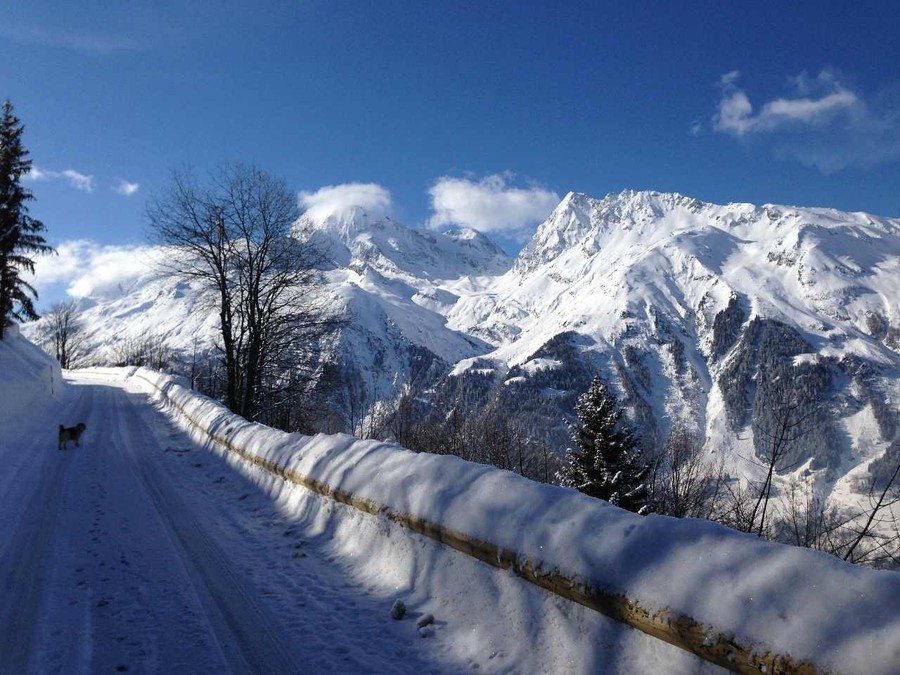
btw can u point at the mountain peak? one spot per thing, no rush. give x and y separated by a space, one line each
582 220
345 223
629 202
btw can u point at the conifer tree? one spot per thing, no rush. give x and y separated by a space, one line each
606 463
20 234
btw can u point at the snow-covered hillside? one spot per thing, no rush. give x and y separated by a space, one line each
711 317
702 313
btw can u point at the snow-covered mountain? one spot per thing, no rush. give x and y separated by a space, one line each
712 317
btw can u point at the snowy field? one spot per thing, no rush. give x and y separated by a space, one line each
144 551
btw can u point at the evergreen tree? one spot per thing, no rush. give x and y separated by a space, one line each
20 235
607 462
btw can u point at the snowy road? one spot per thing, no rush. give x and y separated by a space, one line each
140 552
143 552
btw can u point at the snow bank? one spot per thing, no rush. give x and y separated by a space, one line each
28 375
730 597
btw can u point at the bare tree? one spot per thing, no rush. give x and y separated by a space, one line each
147 350
686 484
785 423
234 234
879 513
861 535
807 520
64 332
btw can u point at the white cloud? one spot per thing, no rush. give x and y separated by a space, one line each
74 178
85 40
729 78
90 269
125 188
339 200
823 123
78 180
489 204
735 112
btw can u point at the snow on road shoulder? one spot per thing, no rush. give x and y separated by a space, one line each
484 619
772 597
28 375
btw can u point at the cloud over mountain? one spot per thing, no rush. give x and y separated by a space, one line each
88 268
489 204
335 200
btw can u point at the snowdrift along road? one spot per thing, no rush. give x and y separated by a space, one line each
729 597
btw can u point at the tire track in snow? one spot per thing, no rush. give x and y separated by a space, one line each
249 637
25 554
23 569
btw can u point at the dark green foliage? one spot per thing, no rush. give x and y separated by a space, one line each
20 234
727 328
806 386
607 463
543 398
636 379
866 376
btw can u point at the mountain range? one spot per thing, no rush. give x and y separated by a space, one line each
711 318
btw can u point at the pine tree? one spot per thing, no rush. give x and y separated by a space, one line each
607 462
20 235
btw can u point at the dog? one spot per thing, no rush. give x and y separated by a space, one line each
73 434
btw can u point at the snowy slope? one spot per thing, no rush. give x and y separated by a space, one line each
679 302
29 378
607 267
391 278
387 279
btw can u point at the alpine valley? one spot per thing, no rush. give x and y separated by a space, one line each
704 317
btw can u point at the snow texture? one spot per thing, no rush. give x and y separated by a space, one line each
28 376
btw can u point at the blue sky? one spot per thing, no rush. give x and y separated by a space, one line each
481 113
